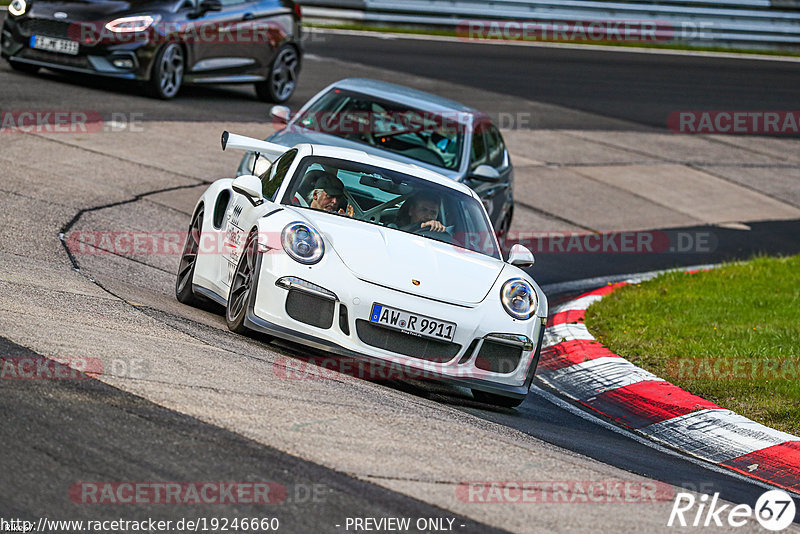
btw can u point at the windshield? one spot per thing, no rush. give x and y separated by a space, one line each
430 137
391 199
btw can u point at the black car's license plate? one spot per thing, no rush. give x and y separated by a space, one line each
412 323
51 44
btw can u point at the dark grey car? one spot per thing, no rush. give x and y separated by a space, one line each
409 126
161 43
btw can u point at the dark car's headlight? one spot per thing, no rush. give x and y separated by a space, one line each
17 7
137 23
302 243
519 298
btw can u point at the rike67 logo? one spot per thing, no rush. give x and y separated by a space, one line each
774 510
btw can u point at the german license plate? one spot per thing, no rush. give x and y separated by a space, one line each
51 44
412 323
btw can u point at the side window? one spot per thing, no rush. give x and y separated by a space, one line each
478 153
273 177
496 148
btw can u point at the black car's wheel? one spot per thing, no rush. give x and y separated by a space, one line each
167 76
24 67
242 285
496 400
183 284
282 80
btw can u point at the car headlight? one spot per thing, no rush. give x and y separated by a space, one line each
137 23
17 7
519 298
302 243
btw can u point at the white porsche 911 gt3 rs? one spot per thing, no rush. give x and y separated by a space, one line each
368 258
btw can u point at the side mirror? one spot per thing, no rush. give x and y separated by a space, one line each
485 173
249 186
280 113
520 256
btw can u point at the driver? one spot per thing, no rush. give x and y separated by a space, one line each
420 211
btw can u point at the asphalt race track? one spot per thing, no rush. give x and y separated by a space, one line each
184 448
640 88
209 405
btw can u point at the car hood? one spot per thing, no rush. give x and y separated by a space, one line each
94 10
394 259
294 135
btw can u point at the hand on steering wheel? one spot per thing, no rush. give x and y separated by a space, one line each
429 226
433 226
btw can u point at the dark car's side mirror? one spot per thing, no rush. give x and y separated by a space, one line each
485 173
280 114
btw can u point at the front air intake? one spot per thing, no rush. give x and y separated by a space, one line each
406 344
498 357
310 309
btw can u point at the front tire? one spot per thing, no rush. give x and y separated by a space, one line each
183 283
167 73
496 400
242 286
282 80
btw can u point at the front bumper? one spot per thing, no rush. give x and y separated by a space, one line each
98 59
476 326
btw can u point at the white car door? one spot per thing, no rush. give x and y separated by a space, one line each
242 215
234 233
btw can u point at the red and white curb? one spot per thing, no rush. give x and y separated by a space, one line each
582 369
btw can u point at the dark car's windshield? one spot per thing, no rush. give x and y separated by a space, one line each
376 195
431 137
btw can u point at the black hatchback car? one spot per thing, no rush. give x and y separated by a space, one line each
162 43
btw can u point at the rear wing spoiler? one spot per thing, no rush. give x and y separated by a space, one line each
265 149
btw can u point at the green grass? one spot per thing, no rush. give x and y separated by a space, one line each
4 2
452 33
680 325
